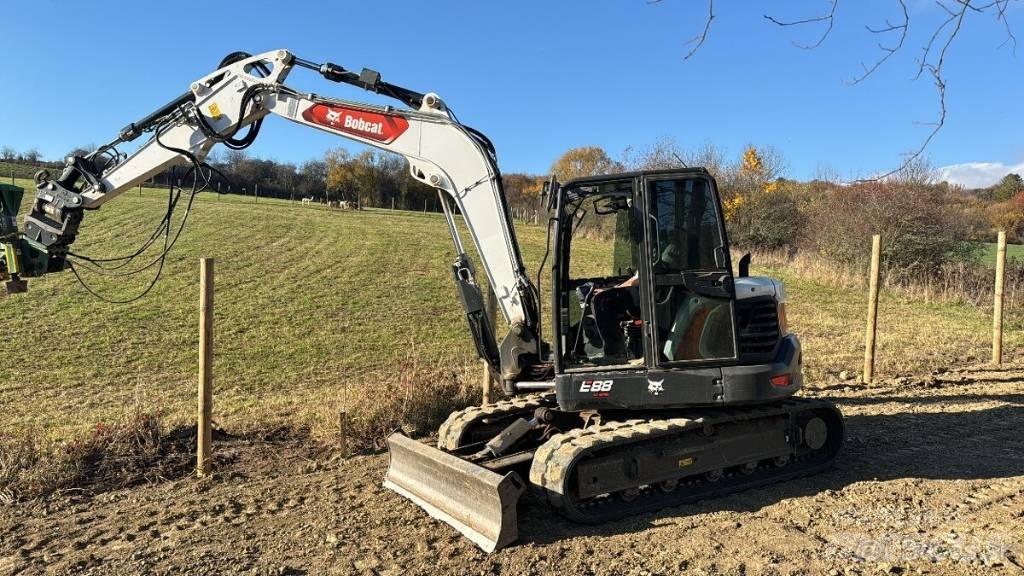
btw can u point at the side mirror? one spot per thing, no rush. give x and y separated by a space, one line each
721 261
550 189
744 266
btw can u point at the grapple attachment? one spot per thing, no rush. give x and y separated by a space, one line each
20 257
479 503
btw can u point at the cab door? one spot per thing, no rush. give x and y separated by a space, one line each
689 289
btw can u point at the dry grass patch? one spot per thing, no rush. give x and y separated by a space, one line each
416 398
955 281
130 451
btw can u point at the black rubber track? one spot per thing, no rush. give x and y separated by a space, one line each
456 428
552 472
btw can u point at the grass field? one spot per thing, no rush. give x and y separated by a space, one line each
1013 252
322 310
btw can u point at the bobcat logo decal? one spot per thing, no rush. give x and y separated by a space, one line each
656 386
333 116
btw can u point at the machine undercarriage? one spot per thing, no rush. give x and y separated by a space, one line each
610 465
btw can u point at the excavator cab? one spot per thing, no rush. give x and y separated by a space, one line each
646 303
644 278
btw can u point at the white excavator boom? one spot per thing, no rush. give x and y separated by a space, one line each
443 153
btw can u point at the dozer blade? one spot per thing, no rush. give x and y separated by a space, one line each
474 500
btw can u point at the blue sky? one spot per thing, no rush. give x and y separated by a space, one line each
538 76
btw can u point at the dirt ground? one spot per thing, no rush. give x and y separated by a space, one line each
930 481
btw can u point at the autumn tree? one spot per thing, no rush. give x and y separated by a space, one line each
920 228
81 150
392 169
522 190
31 156
1008 216
583 161
762 209
1010 186
312 179
711 158
368 173
286 179
664 153
341 179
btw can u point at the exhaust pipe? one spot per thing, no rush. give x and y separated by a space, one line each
479 503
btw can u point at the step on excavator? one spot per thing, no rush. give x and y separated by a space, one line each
666 377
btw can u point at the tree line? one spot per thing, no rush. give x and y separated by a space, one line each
764 208
369 178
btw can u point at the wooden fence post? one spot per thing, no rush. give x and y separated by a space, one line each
490 310
204 429
343 433
997 308
869 334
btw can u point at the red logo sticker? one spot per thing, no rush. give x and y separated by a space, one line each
380 127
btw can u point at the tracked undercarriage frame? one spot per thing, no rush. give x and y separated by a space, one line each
610 465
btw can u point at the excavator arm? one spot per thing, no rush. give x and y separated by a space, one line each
455 159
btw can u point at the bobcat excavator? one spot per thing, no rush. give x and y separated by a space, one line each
666 377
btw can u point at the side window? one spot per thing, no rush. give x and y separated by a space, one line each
602 244
602 289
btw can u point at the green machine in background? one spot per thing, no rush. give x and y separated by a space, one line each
21 258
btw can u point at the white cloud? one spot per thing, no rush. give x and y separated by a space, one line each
977 174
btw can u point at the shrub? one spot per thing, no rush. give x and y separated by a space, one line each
417 400
1009 216
920 229
766 219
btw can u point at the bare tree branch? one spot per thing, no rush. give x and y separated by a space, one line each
935 69
830 18
888 52
923 62
1001 15
698 40
932 59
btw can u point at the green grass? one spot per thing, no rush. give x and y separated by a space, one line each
316 308
311 303
988 252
